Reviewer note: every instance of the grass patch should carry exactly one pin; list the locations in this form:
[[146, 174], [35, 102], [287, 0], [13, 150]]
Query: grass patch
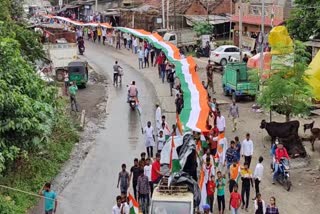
[[29, 173]]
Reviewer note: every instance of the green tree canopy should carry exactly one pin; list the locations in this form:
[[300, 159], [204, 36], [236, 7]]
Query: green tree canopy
[[27, 104], [304, 20], [286, 91], [202, 28]]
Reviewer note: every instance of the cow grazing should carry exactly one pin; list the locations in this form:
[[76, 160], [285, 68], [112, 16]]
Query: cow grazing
[[308, 126], [281, 130], [294, 146]]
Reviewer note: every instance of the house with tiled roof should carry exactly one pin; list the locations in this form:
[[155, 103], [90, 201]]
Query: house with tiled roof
[[276, 12]]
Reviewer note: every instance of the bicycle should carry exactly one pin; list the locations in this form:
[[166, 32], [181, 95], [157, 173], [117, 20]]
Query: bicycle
[[115, 79]]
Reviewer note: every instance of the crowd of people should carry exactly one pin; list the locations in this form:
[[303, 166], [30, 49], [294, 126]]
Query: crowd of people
[[226, 164], [221, 163]]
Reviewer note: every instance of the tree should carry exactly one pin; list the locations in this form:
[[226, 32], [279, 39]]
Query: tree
[[286, 91], [303, 22], [5, 10], [30, 46], [27, 104], [202, 28], [16, 9]]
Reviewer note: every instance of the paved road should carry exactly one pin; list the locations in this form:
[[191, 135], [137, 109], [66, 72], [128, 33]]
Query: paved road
[[93, 189]]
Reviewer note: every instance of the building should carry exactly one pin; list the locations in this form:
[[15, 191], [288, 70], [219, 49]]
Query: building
[[179, 11], [314, 43], [251, 19], [79, 10]]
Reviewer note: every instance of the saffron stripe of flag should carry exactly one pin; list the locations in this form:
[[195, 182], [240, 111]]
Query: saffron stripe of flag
[[134, 205]]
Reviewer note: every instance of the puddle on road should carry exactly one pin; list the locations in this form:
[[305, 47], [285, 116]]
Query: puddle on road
[[134, 129]]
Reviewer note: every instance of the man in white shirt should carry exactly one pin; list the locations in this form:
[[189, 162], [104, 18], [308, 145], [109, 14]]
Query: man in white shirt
[[158, 117], [221, 122], [140, 57], [116, 209], [125, 207], [208, 154], [147, 171], [247, 149], [257, 175], [135, 45], [208, 169], [104, 35], [150, 139]]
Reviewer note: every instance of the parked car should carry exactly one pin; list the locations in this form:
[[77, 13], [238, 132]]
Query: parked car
[[225, 53]]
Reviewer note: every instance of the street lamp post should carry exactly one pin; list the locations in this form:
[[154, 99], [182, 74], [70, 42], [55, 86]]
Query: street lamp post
[[96, 6]]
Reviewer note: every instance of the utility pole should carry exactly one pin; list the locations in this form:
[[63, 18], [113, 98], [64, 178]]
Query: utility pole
[[168, 22], [96, 6], [174, 14], [240, 27], [262, 37], [230, 20], [208, 12], [163, 16]]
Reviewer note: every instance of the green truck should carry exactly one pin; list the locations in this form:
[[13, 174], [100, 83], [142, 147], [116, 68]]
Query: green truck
[[235, 81]]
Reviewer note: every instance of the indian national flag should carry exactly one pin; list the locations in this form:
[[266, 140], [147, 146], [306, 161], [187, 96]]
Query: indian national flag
[[204, 142], [174, 159], [134, 205], [203, 189]]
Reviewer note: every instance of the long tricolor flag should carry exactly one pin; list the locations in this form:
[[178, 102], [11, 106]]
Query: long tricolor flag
[[134, 205], [179, 125], [195, 100], [174, 159]]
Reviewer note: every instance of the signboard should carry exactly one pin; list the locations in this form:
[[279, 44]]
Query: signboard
[[248, 43], [159, 20], [60, 2]]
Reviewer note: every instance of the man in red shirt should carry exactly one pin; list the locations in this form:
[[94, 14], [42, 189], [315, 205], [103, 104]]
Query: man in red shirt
[[155, 170], [280, 153], [235, 200], [211, 186], [214, 132], [159, 60]]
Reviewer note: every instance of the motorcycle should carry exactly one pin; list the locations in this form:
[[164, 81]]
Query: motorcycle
[[81, 50], [283, 176], [132, 103], [81, 45], [202, 52]]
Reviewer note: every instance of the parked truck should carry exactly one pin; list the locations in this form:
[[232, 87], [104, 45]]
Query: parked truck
[[171, 199], [61, 55], [235, 81], [184, 38]]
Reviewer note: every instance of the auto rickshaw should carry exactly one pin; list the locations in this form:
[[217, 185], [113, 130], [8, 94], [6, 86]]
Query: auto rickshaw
[[78, 72]]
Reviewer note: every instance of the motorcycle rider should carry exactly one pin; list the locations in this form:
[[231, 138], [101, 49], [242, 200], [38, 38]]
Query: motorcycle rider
[[132, 91], [80, 44], [281, 153]]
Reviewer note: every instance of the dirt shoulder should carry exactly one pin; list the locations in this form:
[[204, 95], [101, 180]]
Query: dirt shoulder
[[93, 99]]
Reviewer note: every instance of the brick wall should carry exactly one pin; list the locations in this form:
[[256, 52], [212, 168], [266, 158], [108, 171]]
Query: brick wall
[[196, 8], [224, 6]]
